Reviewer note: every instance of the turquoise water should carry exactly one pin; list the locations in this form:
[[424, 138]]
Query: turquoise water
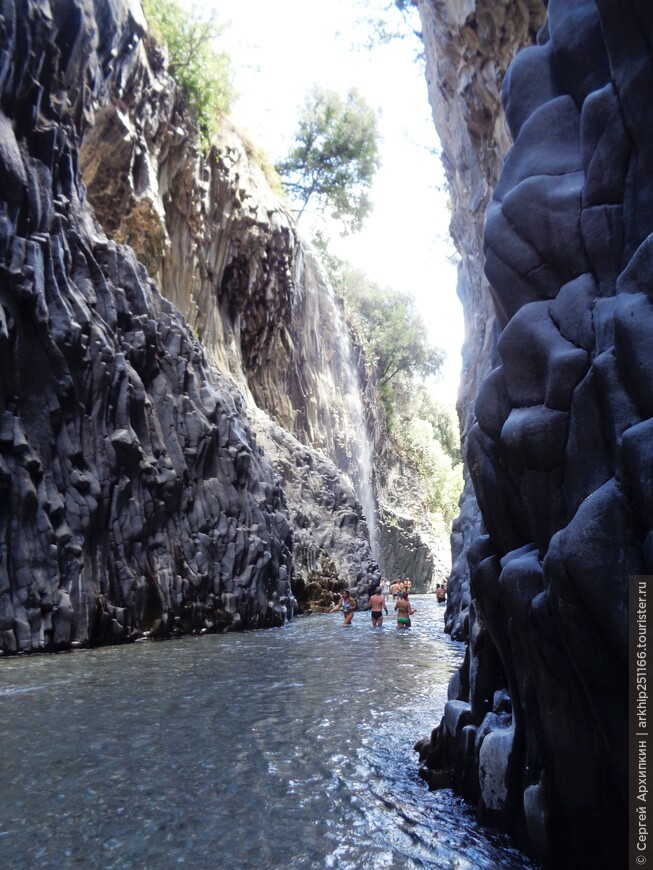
[[289, 747]]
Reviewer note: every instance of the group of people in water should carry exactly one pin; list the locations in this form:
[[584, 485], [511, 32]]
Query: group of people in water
[[377, 603]]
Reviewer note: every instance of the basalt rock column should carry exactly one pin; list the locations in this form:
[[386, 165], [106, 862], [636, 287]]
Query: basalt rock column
[[561, 455], [468, 47], [134, 498], [225, 250]]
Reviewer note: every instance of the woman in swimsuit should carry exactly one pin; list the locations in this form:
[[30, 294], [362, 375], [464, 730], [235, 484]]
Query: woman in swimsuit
[[404, 611], [347, 605]]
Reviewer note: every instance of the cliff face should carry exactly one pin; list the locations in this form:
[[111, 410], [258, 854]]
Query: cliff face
[[226, 252], [409, 546], [137, 498], [197, 457], [468, 47], [535, 729], [134, 497]]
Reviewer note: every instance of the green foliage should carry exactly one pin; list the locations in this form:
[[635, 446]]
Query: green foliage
[[443, 420], [394, 329], [334, 157], [336, 268], [203, 72], [443, 477], [260, 156], [399, 20], [428, 437]]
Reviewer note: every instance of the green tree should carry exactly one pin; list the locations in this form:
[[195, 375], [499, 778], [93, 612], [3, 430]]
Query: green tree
[[394, 328], [203, 72], [393, 334], [399, 20], [441, 417], [443, 476], [334, 157]]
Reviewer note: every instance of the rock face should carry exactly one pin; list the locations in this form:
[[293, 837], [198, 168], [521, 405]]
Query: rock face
[[560, 457], [152, 483], [227, 254], [135, 499], [409, 547], [330, 543], [468, 46]]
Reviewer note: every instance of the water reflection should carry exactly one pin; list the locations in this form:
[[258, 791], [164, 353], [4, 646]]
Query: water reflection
[[282, 748]]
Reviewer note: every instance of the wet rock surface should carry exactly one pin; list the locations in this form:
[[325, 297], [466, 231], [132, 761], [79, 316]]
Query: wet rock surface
[[410, 552], [330, 536], [468, 47], [226, 252], [135, 500], [560, 455], [138, 500]]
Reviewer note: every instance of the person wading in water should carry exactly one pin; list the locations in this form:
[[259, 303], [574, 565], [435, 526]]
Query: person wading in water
[[377, 604], [404, 611], [347, 604]]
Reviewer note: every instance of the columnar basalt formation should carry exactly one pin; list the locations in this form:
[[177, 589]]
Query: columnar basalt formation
[[135, 499], [229, 256], [225, 250], [535, 728], [410, 547], [468, 46], [185, 523]]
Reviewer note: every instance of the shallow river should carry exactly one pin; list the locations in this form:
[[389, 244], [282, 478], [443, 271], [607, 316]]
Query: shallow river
[[286, 748]]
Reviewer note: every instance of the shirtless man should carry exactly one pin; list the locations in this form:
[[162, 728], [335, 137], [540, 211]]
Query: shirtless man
[[395, 589], [377, 603], [404, 611]]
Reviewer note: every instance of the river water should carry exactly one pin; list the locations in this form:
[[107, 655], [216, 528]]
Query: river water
[[284, 748]]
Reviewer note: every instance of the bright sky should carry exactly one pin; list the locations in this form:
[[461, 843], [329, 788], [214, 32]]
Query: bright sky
[[279, 50]]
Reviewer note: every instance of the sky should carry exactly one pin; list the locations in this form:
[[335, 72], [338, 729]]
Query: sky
[[279, 50]]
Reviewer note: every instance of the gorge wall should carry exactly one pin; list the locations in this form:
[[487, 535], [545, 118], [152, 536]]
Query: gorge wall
[[468, 47], [135, 499], [560, 456], [144, 491], [187, 423], [224, 249]]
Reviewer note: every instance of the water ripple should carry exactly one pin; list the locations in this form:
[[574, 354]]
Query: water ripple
[[281, 748]]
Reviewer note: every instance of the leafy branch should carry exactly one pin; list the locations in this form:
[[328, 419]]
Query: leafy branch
[[199, 68]]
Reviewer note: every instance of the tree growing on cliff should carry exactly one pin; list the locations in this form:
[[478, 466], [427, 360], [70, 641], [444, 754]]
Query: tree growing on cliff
[[394, 328], [334, 157], [392, 332], [203, 72], [399, 20]]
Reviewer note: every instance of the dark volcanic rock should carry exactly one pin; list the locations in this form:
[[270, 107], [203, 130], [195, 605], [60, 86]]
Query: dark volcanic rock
[[561, 461], [225, 250], [135, 499], [138, 497], [468, 47]]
